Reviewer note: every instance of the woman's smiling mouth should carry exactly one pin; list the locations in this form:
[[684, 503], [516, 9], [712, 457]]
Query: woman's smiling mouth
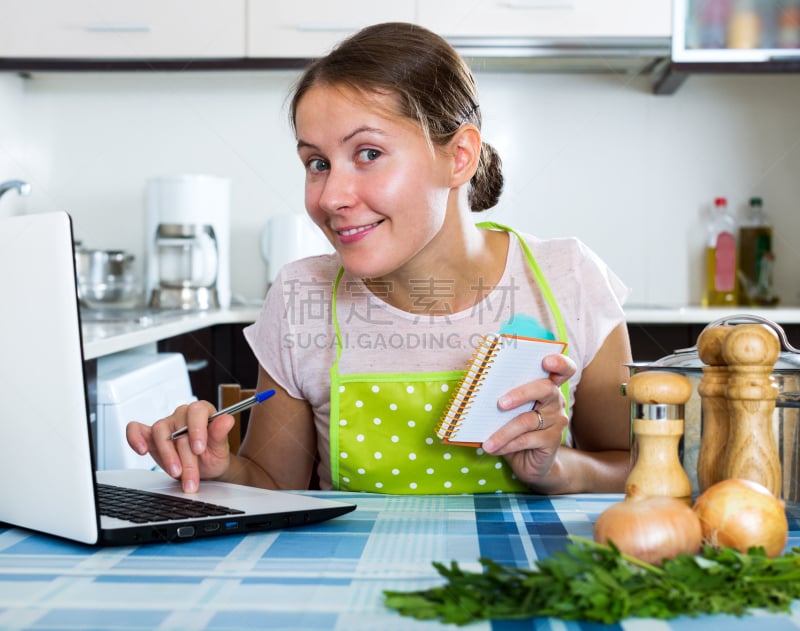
[[349, 233]]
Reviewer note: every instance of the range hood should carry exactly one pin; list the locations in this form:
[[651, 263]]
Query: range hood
[[593, 54]]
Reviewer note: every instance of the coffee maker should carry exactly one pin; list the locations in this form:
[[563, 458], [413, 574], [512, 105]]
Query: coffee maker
[[187, 242]]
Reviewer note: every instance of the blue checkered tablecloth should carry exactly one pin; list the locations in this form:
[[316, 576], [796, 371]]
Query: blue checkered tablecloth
[[325, 576]]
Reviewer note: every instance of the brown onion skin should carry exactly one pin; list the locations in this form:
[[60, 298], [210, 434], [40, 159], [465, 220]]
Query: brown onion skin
[[650, 528], [742, 514]]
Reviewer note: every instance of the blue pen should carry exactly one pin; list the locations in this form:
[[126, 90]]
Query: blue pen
[[243, 405]]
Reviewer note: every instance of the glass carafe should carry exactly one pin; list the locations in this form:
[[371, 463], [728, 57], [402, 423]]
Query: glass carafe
[[187, 255]]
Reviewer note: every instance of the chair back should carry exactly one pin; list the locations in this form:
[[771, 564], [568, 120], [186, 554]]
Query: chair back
[[229, 394]]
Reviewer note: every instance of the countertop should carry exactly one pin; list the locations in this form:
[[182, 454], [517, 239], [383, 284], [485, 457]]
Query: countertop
[[323, 576], [115, 335], [650, 314]]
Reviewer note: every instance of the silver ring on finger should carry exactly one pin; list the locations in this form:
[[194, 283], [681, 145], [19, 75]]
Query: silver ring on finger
[[541, 420]]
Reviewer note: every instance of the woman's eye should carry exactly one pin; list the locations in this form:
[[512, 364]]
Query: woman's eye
[[368, 155], [316, 165]]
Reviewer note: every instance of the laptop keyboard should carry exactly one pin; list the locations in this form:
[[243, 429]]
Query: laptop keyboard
[[143, 506]]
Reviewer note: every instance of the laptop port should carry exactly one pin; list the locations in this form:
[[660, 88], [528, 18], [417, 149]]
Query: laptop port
[[210, 527], [186, 531]]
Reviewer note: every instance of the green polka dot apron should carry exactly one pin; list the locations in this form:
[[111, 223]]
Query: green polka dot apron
[[383, 425]]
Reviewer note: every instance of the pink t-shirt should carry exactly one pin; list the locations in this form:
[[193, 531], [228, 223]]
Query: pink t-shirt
[[294, 338]]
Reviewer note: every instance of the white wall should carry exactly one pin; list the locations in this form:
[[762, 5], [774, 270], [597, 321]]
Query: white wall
[[14, 150], [634, 174], [596, 156]]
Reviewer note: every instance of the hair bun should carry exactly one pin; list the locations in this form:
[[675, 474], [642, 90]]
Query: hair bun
[[487, 183]]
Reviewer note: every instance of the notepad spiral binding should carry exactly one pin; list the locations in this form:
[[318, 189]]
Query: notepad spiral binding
[[468, 385]]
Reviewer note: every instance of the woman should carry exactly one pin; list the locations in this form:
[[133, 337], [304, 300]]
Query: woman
[[361, 346]]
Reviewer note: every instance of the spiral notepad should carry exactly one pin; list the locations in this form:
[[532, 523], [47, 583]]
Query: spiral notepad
[[501, 362]]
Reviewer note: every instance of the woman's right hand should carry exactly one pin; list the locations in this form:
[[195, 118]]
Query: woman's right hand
[[203, 452]]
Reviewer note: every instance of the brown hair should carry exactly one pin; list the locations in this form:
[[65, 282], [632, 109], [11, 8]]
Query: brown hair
[[433, 85]]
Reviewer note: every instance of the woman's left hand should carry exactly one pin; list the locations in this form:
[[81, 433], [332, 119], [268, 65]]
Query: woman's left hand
[[531, 440]]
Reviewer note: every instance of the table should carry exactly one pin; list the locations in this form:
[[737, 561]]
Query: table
[[326, 576]]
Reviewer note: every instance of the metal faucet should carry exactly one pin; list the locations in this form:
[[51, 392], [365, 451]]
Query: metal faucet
[[23, 188]]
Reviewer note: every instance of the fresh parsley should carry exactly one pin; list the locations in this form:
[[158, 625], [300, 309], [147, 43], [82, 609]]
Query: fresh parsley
[[593, 582]]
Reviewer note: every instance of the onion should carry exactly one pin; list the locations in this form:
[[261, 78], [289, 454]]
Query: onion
[[650, 528], [742, 514]]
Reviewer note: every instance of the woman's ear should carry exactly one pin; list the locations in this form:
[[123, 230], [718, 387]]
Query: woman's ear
[[466, 151]]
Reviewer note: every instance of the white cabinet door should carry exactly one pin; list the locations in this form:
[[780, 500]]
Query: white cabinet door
[[309, 28], [122, 29], [547, 18]]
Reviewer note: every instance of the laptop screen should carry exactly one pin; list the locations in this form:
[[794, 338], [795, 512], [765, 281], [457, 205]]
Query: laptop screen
[[45, 453]]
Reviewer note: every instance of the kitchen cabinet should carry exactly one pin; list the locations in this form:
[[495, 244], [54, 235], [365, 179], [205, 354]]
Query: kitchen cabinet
[[263, 34], [739, 36], [214, 355], [121, 29], [457, 19], [736, 32], [652, 341], [311, 28]]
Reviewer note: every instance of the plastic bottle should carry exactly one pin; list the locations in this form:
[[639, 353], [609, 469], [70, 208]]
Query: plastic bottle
[[788, 35], [744, 28], [756, 258], [713, 19], [720, 289]]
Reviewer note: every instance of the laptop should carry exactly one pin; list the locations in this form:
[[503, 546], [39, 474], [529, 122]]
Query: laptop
[[47, 460]]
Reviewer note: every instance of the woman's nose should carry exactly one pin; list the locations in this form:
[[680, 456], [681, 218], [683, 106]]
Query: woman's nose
[[338, 191]]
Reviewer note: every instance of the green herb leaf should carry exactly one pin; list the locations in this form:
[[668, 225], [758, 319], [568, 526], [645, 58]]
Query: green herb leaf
[[593, 582]]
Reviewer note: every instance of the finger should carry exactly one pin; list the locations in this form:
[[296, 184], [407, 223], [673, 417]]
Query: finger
[[560, 367], [190, 467], [541, 393], [163, 448], [544, 391], [218, 434], [197, 414], [526, 431], [138, 437]]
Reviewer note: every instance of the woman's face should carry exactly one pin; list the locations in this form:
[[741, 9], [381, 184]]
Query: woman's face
[[373, 184]]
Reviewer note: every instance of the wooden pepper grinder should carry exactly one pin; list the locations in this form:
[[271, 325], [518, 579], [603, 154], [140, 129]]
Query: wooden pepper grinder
[[751, 350], [657, 408], [712, 387]]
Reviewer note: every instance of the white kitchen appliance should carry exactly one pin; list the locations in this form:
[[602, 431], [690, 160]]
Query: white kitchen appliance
[[187, 242], [135, 386], [288, 237]]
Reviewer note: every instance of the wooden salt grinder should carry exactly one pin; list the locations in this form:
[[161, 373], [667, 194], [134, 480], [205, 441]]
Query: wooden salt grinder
[[751, 350], [657, 408], [712, 386]]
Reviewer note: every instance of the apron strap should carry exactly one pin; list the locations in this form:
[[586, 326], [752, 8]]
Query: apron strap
[[335, 383], [561, 329], [335, 318]]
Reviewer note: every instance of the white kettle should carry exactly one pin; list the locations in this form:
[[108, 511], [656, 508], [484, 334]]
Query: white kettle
[[288, 237]]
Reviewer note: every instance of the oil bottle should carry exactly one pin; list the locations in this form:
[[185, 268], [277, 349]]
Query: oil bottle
[[745, 25], [756, 258], [720, 286]]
